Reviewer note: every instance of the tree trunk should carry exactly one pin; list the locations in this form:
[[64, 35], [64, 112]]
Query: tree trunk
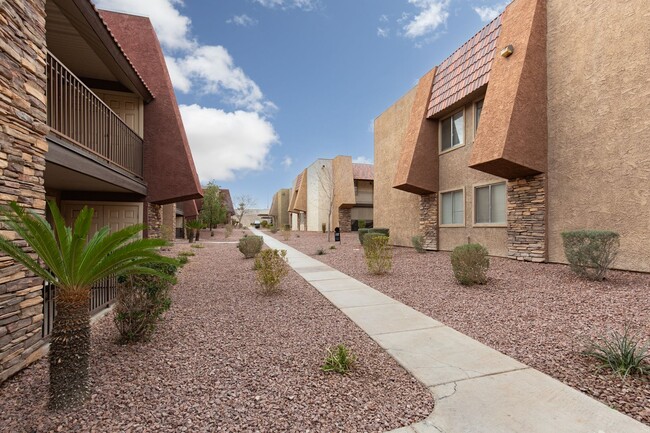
[[70, 350], [190, 235], [198, 232]]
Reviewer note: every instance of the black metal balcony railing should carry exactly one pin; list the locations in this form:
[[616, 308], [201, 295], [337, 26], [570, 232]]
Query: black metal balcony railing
[[102, 295], [81, 117]]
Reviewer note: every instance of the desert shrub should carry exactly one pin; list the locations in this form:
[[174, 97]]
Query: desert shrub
[[272, 267], [186, 253], [332, 247], [624, 353], [362, 233], [470, 263], [361, 224], [274, 230], [418, 243], [323, 227], [264, 224], [590, 252], [197, 246], [320, 251], [339, 359], [379, 256], [141, 300], [250, 246], [228, 229], [286, 233], [182, 260], [383, 231]]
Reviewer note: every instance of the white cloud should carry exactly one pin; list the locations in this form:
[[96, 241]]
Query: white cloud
[[488, 13], [287, 161], [223, 143], [306, 5], [362, 160], [172, 28], [383, 18], [383, 32], [242, 20], [433, 14]]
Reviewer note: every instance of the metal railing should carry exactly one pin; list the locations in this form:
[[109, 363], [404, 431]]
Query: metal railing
[[79, 116], [102, 295]]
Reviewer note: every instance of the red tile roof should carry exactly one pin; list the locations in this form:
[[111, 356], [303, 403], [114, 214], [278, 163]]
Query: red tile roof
[[467, 69], [363, 171]]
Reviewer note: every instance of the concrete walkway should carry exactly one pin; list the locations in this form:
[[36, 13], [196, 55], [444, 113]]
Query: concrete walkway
[[476, 389]]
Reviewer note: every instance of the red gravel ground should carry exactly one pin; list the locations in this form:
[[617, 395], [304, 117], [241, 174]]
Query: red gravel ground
[[228, 359], [540, 314]]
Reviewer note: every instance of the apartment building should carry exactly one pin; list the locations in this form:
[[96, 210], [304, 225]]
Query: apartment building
[[88, 117], [536, 125], [279, 210]]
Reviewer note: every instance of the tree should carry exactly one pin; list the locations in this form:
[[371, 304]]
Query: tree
[[326, 181], [245, 202], [74, 264], [213, 211]]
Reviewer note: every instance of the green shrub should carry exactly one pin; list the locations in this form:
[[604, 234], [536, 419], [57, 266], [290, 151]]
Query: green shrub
[[182, 260], [362, 233], [250, 246], [361, 224], [623, 352], [264, 224], [339, 360], [383, 231], [590, 252], [141, 300], [286, 233], [186, 253], [418, 243], [470, 263], [379, 255], [272, 267]]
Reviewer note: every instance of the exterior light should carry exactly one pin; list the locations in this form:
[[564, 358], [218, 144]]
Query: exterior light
[[507, 51]]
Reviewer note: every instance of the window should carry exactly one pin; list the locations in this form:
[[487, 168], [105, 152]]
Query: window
[[477, 114], [490, 204], [453, 207], [452, 131]]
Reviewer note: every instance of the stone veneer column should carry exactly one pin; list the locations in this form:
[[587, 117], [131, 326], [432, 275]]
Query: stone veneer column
[[527, 218], [345, 219], [429, 221], [22, 164], [169, 221], [154, 220]]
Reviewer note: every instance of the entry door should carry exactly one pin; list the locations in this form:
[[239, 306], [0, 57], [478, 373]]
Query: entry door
[[117, 217], [128, 108], [71, 211]]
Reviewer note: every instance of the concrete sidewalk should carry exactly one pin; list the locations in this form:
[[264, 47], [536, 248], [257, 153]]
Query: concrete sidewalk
[[476, 388]]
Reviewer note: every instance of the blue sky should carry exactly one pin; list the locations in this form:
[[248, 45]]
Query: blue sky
[[267, 86]]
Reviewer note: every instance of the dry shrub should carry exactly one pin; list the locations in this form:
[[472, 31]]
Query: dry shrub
[[228, 228], [470, 263], [271, 266], [250, 246], [286, 233], [418, 243], [591, 252], [379, 255]]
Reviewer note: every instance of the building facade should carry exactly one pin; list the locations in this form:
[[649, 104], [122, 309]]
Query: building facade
[[88, 117], [279, 210], [529, 129]]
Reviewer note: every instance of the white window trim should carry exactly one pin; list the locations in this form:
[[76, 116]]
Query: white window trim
[[440, 193], [458, 146], [483, 184]]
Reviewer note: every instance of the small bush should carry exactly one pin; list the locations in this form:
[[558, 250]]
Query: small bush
[[323, 227], [228, 229], [339, 360], [272, 267], [379, 256], [362, 233], [286, 233], [590, 252], [332, 247], [418, 243], [141, 300], [320, 251], [383, 231], [264, 224], [274, 230], [470, 263], [197, 246], [182, 260], [361, 224], [623, 352], [186, 253], [250, 246]]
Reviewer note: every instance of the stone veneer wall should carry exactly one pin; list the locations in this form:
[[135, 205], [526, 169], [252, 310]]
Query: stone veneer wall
[[527, 218], [169, 221], [154, 220], [429, 221], [22, 165], [345, 219]]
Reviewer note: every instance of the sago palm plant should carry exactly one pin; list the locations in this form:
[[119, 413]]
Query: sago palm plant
[[74, 263]]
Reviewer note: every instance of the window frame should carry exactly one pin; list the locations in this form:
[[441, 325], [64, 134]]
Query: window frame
[[450, 116], [475, 203], [440, 194], [476, 119]]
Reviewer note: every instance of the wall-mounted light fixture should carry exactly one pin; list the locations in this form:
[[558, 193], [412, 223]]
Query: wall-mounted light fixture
[[507, 51]]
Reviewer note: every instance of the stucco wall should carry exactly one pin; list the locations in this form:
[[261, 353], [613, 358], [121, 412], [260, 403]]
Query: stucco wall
[[599, 124], [343, 186], [395, 209], [318, 199], [455, 174]]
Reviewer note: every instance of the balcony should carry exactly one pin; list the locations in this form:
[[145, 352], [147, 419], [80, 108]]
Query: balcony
[[78, 116]]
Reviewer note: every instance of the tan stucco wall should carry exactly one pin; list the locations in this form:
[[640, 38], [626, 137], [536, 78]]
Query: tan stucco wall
[[395, 209], [455, 174], [343, 186], [599, 123]]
